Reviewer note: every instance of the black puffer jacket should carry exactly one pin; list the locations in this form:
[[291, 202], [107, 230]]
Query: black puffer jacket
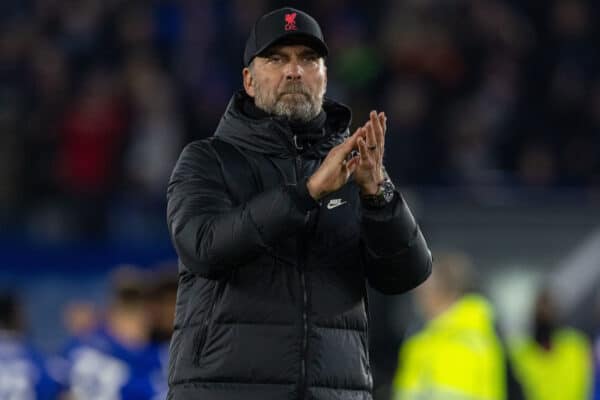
[[272, 285]]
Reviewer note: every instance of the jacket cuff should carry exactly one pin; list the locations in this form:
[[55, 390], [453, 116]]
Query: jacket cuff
[[389, 229], [303, 198], [381, 208]]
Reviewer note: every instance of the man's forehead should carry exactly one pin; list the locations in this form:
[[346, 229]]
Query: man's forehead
[[287, 49]]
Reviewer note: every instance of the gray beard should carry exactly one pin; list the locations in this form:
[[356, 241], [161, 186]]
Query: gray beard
[[295, 102]]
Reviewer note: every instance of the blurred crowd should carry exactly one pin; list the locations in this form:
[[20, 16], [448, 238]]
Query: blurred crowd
[[462, 351], [117, 350], [97, 97], [456, 348]]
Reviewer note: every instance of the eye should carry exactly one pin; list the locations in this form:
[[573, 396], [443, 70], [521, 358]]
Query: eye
[[274, 59], [310, 58]]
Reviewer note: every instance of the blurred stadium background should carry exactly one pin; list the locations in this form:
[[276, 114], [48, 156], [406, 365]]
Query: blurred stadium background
[[494, 137]]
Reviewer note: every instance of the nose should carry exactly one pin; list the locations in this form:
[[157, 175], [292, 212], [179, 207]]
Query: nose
[[293, 71]]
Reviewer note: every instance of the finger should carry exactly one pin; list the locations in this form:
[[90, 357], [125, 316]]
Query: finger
[[372, 140], [365, 158], [341, 152], [383, 121], [372, 143], [366, 125], [352, 165], [377, 128], [377, 133], [350, 142], [357, 133]]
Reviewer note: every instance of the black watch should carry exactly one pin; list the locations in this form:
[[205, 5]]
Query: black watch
[[383, 197]]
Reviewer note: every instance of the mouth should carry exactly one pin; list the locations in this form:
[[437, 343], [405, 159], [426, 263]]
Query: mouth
[[295, 88], [293, 94]]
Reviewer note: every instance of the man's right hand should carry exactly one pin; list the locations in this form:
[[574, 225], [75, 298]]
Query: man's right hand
[[336, 168]]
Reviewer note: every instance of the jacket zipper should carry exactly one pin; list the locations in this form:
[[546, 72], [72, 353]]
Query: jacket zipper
[[304, 333], [302, 271], [200, 339]]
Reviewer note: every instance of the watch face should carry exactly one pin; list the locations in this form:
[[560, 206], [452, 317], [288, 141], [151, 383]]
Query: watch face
[[388, 191]]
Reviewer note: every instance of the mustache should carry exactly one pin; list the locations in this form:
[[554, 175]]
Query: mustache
[[294, 88]]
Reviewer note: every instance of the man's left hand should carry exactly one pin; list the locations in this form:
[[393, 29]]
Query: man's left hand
[[369, 162]]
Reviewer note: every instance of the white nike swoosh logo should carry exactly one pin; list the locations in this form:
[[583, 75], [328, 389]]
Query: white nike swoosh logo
[[335, 203]]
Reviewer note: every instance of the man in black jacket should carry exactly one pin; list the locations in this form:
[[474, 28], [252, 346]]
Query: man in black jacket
[[280, 220]]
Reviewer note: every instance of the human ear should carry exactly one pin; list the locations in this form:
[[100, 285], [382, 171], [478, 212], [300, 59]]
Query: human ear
[[248, 80]]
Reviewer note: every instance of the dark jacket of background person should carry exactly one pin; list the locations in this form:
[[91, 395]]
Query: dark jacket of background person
[[272, 285]]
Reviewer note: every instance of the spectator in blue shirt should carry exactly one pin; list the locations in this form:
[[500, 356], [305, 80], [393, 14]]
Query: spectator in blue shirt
[[23, 372], [117, 360]]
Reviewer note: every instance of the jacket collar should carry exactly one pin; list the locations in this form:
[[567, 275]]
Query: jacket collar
[[273, 135]]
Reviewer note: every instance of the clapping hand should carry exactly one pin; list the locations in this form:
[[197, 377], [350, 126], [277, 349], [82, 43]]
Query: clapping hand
[[360, 155]]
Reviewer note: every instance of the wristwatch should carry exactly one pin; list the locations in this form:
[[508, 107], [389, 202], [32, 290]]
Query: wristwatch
[[384, 195]]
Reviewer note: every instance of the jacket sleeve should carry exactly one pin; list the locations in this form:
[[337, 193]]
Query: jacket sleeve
[[396, 255], [209, 232]]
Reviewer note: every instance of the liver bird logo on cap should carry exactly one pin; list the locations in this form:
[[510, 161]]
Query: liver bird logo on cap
[[290, 22]]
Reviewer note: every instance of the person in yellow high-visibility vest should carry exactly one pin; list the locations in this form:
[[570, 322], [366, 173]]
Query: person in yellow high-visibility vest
[[555, 363], [458, 354]]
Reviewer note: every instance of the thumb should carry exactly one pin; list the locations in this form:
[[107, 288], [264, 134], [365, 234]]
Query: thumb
[[341, 151], [350, 143], [351, 166]]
